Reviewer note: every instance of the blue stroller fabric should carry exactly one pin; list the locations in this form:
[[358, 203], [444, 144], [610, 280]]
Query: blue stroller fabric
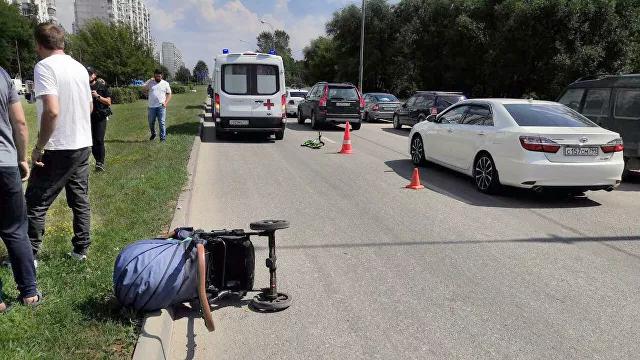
[[154, 274]]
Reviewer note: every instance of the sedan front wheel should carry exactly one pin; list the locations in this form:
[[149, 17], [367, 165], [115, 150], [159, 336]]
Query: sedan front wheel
[[417, 151]]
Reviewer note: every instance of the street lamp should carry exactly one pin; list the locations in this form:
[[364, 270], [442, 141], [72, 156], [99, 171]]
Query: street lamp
[[362, 46], [273, 32]]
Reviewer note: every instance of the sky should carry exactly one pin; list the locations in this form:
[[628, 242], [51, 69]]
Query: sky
[[202, 28]]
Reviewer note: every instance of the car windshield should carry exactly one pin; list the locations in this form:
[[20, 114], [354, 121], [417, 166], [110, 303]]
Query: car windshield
[[297, 94], [385, 98], [448, 100], [554, 115], [343, 93]]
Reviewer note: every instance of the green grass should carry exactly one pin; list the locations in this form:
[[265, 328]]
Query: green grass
[[134, 199]]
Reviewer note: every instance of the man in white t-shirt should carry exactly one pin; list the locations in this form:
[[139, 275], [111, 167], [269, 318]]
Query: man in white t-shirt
[[159, 93], [61, 154]]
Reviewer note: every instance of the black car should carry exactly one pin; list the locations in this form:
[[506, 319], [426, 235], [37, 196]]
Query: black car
[[332, 103], [422, 104], [613, 102]]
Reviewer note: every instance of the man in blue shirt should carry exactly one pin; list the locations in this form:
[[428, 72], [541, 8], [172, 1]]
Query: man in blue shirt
[[14, 169]]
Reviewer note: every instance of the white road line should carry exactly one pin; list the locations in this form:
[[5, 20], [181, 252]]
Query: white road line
[[329, 140]]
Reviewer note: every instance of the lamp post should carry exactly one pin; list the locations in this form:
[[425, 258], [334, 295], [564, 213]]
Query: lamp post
[[362, 47], [273, 32]]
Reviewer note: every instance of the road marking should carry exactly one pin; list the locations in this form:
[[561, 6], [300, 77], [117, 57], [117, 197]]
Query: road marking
[[329, 140]]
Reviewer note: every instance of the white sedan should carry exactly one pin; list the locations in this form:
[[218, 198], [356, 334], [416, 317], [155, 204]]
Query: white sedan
[[521, 143]]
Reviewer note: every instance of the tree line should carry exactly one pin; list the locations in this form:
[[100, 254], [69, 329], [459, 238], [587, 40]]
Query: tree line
[[508, 48]]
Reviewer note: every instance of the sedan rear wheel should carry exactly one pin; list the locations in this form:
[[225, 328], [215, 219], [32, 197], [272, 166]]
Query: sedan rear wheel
[[417, 150], [485, 174], [301, 118]]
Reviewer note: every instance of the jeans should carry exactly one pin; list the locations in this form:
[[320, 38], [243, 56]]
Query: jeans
[[160, 113], [13, 231], [68, 169], [98, 130]]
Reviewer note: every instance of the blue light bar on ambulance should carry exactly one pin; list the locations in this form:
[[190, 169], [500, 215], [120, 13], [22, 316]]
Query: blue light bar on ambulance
[[272, 52], [225, 51]]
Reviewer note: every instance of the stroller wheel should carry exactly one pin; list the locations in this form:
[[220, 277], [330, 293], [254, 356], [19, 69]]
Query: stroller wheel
[[269, 225], [261, 303]]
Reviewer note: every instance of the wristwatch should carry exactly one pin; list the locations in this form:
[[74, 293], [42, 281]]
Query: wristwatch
[[41, 151]]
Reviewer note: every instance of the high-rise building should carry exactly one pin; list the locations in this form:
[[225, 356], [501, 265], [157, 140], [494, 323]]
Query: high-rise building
[[131, 12], [39, 10], [171, 57]]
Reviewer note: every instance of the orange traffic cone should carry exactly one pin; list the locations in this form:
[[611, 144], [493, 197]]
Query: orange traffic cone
[[346, 142], [415, 181]]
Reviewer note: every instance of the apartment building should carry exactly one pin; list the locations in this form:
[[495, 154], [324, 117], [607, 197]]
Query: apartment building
[[39, 10], [131, 12], [171, 57]]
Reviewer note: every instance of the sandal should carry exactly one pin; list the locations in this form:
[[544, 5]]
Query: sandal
[[35, 303]]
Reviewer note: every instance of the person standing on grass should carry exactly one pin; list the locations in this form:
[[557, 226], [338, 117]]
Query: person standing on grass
[[159, 93], [101, 110], [61, 154], [14, 137]]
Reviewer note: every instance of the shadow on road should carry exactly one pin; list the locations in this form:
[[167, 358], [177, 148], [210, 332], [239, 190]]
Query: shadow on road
[[294, 126], [460, 187], [247, 138], [400, 132]]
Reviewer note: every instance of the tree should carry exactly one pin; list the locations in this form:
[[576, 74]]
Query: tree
[[165, 71], [116, 51], [279, 41], [16, 30], [320, 61], [183, 75], [201, 72]]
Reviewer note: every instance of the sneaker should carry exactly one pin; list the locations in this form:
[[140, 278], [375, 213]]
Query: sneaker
[[79, 257], [7, 263], [100, 167], [153, 136]]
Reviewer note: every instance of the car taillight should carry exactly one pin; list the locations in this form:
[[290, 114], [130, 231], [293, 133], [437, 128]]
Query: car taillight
[[613, 146], [361, 99], [375, 107], [283, 101], [325, 96], [434, 111], [539, 144], [217, 103]]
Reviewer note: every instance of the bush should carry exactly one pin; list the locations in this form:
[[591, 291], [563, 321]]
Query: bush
[[178, 89], [124, 95]]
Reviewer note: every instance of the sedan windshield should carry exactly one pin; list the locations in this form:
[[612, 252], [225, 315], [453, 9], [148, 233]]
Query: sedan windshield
[[554, 115], [385, 98]]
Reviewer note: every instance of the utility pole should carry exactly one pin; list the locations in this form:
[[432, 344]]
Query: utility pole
[[273, 33], [362, 46], [18, 56]]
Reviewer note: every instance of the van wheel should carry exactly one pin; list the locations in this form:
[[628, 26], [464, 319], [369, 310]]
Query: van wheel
[[314, 122], [279, 135], [301, 118]]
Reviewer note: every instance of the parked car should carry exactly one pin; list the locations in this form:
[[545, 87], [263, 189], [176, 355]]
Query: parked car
[[422, 104], [294, 97], [19, 86], [332, 103], [521, 143], [249, 94], [612, 102], [379, 106]]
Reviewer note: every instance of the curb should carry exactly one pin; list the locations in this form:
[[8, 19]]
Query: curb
[[156, 334]]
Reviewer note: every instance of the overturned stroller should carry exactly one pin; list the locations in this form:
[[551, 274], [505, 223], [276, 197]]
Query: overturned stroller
[[194, 264]]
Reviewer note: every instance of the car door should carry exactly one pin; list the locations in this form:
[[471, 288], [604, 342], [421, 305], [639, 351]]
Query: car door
[[471, 135], [236, 99], [404, 110], [268, 97], [626, 114], [417, 107], [596, 107], [440, 142]]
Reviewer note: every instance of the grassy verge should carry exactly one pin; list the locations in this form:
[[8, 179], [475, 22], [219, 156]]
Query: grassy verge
[[134, 199]]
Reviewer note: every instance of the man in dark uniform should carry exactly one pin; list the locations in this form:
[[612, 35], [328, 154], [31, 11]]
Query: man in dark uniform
[[99, 116]]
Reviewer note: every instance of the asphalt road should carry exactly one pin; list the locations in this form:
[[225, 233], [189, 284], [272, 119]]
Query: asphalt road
[[380, 272]]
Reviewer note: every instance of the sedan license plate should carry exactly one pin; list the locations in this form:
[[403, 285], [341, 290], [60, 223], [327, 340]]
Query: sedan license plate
[[581, 151], [343, 104], [238, 122]]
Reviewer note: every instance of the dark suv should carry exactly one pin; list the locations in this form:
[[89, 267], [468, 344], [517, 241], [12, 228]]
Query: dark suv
[[613, 102], [332, 103], [423, 104]]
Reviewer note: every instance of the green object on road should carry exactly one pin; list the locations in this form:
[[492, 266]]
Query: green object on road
[[314, 144]]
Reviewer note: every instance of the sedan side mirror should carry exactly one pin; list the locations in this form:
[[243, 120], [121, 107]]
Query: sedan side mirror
[[431, 118]]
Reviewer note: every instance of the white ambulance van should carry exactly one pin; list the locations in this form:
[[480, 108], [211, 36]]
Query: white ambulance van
[[249, 94]]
